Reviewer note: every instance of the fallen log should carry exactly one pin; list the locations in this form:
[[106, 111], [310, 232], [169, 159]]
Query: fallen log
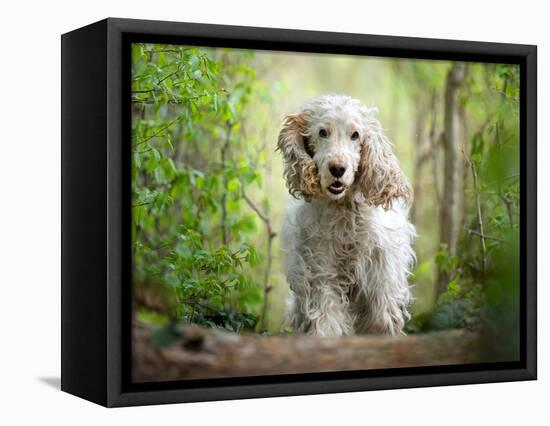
[[200, 353]]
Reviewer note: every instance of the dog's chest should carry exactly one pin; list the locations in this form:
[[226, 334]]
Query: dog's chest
[[338, 242]]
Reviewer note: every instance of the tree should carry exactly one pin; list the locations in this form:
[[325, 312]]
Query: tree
[[450, 211]]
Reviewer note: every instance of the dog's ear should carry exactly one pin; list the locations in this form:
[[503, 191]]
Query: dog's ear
[[380, 177], [300, 171]]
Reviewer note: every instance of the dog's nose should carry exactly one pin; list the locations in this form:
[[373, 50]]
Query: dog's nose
[[337, 170]]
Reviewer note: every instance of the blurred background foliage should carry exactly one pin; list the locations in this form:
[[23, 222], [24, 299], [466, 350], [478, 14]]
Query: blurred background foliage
[[208, 194]]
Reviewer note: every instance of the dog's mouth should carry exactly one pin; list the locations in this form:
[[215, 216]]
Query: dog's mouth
[[336, 188]]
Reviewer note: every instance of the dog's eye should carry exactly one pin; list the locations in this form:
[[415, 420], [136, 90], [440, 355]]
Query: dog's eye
[[308, 148], [354, 136], [323, 133]]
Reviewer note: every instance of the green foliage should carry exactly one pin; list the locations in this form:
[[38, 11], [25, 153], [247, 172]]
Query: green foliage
[[478, 294], [190, 166], [447, 262], [502, 331], [458, 307], [207, 278], [494, 158]]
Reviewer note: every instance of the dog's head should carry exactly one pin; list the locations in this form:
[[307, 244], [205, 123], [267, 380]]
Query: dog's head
[[333, 146]]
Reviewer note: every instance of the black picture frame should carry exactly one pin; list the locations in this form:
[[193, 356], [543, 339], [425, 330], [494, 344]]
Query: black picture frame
[[96, 290]]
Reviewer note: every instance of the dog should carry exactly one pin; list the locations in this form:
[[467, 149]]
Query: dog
[[346, 235]]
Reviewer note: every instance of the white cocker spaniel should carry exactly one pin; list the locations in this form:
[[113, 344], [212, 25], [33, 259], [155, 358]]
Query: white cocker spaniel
[[346, 235]]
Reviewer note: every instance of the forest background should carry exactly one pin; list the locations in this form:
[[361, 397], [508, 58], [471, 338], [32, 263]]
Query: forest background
[[208, 194]]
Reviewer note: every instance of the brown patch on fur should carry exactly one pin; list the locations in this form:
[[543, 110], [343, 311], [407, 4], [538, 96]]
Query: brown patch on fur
[[300, 171], [381, 178]]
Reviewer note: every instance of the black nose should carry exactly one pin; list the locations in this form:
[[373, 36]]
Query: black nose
[[337, 170]]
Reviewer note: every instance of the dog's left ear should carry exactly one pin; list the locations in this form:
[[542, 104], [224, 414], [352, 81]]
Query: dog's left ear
[[380, 177]]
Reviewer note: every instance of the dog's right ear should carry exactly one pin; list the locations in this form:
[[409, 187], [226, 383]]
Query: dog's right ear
[[300, 171]]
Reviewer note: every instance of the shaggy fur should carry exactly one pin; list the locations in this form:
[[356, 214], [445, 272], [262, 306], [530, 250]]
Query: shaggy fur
[[346, 234]]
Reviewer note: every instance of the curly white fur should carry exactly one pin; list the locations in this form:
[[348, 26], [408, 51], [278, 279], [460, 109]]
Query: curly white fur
[[347, 237]]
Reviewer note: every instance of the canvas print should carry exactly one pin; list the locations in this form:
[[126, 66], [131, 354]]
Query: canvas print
[[307, 212]]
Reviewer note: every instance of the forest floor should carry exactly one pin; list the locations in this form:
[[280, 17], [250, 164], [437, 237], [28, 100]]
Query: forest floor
[[198, 353]]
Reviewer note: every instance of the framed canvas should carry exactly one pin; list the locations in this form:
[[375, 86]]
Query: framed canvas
[[255, 212]]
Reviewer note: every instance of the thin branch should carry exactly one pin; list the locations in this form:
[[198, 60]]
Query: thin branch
[[486, 237], [481, 232], [225, 147], [479, 220], [154, 102], [142, 204], [150, 52], [509, 209], [167, 76], [175, 101], [176, 84], [270, 237], [160, 131], [142, 152], [253, 206], [514, 176]]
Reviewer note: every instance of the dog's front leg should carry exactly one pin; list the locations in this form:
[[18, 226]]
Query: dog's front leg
[[384, 311], [325, 312], [386, 316]]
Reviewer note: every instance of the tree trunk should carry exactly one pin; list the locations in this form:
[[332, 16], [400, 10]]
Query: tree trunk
[[199, 353], [464, 138], [452, 181], [423, 153]]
